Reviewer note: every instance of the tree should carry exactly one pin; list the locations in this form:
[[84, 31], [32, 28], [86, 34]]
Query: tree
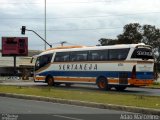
[[151, 36], [131, 34], [105, 41]]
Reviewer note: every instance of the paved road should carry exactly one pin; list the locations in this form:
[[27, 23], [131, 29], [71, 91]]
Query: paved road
[[133, 90], [43, 110]]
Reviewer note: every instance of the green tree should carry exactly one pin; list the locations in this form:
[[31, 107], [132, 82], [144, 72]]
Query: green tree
[[105, 41], [131, 34], [151, 36]]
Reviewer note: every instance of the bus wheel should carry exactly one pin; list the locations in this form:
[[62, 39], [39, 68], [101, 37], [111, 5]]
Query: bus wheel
[[50, 81], [120, 88], [102, 83]]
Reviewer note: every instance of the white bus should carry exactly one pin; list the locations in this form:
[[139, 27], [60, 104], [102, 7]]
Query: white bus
[[117, 66]]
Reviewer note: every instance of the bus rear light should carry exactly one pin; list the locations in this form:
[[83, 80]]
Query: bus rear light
[[133, 75]]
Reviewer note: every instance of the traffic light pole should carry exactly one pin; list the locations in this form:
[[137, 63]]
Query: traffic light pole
[[23, 29], [40, 37]]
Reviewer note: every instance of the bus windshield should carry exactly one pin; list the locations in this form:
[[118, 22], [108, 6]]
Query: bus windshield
[[43, 60], [143, 53]]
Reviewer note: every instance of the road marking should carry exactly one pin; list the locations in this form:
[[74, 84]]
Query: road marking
[[71, 118]]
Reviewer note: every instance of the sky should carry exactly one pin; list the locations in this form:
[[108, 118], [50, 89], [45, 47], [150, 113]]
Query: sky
[[77, 22]]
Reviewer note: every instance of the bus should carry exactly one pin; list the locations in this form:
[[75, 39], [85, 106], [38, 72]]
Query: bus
[[116, 66]]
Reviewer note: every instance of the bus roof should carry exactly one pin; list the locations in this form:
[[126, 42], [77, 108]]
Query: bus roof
[[77, 48]]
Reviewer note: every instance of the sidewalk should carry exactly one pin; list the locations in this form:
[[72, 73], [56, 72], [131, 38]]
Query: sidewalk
[[14, 79]]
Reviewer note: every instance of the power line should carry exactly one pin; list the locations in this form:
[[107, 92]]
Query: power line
[[32, 3], [79, 29], [84, 29], [82, 17]]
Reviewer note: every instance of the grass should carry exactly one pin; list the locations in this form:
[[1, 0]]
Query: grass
[[90, 96], [155, 85]]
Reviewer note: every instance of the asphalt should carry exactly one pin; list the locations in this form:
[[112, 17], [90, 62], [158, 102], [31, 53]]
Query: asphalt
[[31, 109]]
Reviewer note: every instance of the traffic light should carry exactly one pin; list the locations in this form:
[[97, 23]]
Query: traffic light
[[23, 30]]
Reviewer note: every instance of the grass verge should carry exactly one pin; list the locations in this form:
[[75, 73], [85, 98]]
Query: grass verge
[[89, 96], [155, 85]]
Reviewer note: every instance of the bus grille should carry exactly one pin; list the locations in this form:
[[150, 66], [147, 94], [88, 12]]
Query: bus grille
[[123, 78]]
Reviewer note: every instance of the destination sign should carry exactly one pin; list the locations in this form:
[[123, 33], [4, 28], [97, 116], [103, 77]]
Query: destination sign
[[144, 53]]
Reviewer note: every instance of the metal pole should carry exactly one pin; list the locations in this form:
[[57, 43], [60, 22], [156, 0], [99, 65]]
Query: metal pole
[[45, 36], [15, 70], [40, 37]]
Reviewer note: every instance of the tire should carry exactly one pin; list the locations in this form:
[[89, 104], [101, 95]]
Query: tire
[[102, 83], [50, 81], [120, 88]]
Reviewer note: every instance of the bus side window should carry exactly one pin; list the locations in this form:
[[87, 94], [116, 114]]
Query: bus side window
[[61, 57], [98, 55], [45, 59], [79, 56], [118, 54]]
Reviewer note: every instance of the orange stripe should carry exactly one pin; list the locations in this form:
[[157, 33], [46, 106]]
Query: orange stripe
[[39, 78], [75, 79], [65, 47], [113, 81], [133, 82], [140, 82]]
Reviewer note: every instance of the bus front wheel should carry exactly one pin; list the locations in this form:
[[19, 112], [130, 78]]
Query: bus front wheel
[[50, 81], [103, 83]]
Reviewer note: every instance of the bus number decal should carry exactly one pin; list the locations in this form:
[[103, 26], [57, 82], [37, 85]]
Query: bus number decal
[[120, 64]]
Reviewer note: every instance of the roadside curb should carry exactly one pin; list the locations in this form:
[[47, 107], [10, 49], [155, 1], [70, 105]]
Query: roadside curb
[[150, 87], [83, 103]]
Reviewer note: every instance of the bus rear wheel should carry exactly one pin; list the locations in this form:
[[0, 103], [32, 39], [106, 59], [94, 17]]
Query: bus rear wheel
[[120, 88], [50, 81], [103, 83]]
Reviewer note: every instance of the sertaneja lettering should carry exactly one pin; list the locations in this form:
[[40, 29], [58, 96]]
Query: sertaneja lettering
[[81, 67], [75, 67]]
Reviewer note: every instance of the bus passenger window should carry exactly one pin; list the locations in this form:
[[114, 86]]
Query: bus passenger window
[[98, 55], [61, 57], [79, 56], [118, 54]]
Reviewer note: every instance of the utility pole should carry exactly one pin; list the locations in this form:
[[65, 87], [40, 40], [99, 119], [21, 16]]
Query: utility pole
[[45, 15]]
